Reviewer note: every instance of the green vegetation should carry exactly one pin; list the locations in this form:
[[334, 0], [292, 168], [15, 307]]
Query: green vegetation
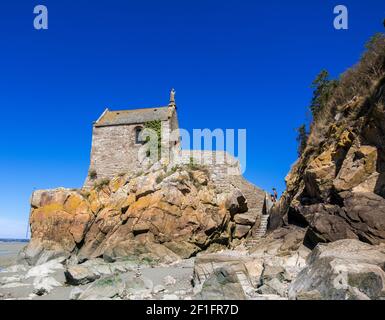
[[343, 96], [357, 81], [156, 126], [101, 184], [323, 89], [159, 178], [143, 260], [163, 176], [148, 261], [372, 42], [85, 193], [192, 164], [92, 174], [301, 139], [107, 282]]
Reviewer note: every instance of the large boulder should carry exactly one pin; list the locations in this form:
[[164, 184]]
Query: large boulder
[[359, 164], [361, 217], [345, 269], [222, 284], [92, 270], [59, 220]]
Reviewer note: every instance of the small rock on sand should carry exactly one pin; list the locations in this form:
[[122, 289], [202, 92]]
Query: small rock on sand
[[169, 280]]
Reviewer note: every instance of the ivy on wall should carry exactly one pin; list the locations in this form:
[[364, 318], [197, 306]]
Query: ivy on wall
[[156, 126]]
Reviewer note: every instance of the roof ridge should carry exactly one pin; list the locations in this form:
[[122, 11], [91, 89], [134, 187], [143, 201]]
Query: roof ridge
[[140, 109], [133, 116]]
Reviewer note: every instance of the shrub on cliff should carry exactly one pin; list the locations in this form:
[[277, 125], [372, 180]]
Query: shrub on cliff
[[323, 89], [92, 174], [101, 183], [331, 96], [301, 139]]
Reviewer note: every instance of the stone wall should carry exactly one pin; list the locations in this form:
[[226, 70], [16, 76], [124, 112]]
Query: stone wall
[[170, 137], [114, 151], [220, 163]]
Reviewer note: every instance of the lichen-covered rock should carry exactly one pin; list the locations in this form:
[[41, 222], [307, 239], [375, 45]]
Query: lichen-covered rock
[[358, 165], [158, 216], [336, 189]]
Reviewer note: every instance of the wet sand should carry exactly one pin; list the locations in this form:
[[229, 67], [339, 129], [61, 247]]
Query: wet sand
[[16, 284], [9, 252]]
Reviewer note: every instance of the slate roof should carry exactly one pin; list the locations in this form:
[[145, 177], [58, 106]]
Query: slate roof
[[136, 116]]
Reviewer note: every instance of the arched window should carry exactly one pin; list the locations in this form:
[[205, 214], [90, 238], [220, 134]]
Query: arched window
[[138, 138]]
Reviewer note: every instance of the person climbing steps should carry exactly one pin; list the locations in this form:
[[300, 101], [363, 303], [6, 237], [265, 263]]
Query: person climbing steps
[[274, 196]]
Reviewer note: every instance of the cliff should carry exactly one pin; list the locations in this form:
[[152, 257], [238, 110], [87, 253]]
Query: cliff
[[336, 189]]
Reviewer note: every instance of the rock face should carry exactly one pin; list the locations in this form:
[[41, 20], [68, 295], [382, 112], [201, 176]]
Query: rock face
[[280, 267], [263, 273], [336, 189], [162, 215], [346, 269]]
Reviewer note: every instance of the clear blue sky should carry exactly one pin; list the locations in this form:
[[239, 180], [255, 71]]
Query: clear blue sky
[[235, 64]]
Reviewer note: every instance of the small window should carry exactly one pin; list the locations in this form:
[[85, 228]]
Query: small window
[[138, 138]]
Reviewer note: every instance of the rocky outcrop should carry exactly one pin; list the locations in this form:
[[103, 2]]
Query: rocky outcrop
[[277, 267], [264, 272], [336, 189], [282, 268], [346, 269], [162, 215]]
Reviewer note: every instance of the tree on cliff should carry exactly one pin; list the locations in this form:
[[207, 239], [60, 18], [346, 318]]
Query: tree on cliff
[[323, 89], [301, 139]]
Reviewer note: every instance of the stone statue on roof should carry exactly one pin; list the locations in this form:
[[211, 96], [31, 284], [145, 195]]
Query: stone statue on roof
[[172, 96]]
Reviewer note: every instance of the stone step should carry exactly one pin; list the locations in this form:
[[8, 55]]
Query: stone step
[[261, 231], [255, 197], [250, 243]]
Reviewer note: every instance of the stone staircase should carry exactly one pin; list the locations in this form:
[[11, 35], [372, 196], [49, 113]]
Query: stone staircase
[[261, 231], [255, 201], [255, 196]]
